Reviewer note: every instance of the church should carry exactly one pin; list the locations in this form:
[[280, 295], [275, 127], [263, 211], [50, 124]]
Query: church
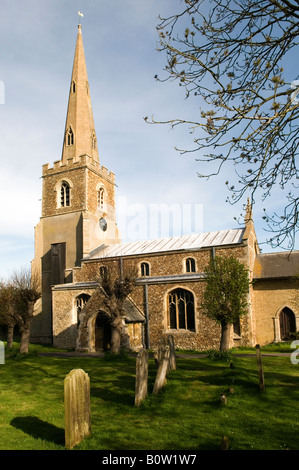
[[77, 238]]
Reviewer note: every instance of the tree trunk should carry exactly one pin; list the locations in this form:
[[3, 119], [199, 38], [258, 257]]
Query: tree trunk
[[24, 344], [10, 330], [225, 336], [116, 331]]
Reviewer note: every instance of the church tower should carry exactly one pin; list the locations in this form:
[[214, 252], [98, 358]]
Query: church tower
[[78, 201]]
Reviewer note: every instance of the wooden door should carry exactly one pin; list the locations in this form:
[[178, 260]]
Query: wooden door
[[102, 332], [287, 323]]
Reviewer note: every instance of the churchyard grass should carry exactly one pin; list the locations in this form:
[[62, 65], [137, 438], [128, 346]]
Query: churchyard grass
[[187, 414]]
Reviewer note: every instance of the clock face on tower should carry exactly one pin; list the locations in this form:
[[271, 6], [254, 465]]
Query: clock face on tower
[[103, 224]]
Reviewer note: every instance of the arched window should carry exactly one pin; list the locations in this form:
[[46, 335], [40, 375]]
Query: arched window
[[80, 304], [65, 194], [103, 271], [145, 269], [70, 137], [181, 313], [190, 265], [101, 198]]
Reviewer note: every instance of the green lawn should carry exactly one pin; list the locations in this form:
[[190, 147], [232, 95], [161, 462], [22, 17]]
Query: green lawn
[[186, 415]]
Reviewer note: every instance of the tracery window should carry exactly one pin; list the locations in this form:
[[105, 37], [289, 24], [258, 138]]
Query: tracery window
[[145, 269], [65, 194], [190, 265], [80, 304], [181, 313]]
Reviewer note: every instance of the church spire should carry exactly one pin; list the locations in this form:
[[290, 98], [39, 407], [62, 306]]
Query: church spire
[[80, 136]]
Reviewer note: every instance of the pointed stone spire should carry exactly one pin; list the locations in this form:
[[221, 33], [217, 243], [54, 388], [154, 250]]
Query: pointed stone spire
[[80, 136], [248, 216]]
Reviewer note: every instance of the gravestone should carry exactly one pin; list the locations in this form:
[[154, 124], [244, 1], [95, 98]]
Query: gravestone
[[164, 353], [172, 357], [169, 340], [76, 407], [141, 376], [2, 353]]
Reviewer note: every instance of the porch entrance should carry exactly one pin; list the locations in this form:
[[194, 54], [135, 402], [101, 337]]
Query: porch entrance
[[287, 323], [102, 332]]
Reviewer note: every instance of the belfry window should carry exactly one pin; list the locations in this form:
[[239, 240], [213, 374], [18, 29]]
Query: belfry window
[[65, 195], [181, 314], [101, 198], [145, 269], [70, 137], [93, 141], [190, 265]]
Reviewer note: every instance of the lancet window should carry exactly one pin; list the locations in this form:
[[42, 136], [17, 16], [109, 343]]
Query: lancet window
[[190, 265], [145, 269], [101, 198], [65, 194], [70, 137]]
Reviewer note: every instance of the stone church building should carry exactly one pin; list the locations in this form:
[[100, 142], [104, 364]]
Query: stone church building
[[77, 238]]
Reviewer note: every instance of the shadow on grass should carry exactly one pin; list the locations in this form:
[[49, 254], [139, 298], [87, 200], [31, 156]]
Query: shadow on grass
[[39, 429]]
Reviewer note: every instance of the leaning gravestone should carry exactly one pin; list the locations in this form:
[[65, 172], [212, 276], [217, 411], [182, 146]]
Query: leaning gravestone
[[163, 368], [141, 376], [76, 407], [172, 357], [168, 340]]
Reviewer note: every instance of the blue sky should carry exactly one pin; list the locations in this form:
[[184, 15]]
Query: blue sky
[[37, 49]]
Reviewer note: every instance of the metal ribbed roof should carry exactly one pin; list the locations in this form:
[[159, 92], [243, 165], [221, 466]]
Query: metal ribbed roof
[[184, 242]]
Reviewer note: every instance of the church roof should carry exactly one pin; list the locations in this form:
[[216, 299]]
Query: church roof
[[180, 243], [133, 313], [276, 265]]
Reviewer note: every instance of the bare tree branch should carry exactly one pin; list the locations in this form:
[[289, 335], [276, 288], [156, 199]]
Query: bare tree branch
[[233, 58]]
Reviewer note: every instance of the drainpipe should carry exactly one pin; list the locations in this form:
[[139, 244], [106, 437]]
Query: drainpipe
[[147, 339], [121, 272]]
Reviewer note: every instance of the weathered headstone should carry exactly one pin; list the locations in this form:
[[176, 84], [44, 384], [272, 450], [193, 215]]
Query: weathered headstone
[[158, 352], [76, 407], [169, 340], [164, 353], [2, 353], [141, 376], [260, 367], [172, 357]]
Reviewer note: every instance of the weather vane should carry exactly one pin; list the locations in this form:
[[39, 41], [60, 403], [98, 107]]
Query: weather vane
[[80, 14]]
